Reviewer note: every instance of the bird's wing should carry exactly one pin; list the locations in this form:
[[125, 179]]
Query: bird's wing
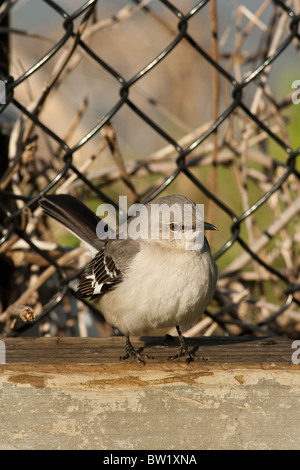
[[99, 276], [107, 268]]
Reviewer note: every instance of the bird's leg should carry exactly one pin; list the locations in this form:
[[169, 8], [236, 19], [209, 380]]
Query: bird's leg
[[183, 351], [130, 352]]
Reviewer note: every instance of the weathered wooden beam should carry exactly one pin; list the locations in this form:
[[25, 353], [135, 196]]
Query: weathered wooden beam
[[74, 393]]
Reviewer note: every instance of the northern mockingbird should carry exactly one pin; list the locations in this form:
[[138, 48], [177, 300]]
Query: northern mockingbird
[[144, 283]]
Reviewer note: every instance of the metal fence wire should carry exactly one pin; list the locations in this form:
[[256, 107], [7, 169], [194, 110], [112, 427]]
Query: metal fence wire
[[146, 98]]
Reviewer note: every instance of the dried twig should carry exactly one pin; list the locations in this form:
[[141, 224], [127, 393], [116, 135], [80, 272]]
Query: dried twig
[[287, 216]]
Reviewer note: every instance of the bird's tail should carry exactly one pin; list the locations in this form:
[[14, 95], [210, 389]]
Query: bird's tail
[[75, 216]]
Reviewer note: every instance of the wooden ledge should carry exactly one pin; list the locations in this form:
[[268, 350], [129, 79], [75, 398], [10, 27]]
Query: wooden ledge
[[213, 352], [74, 393]]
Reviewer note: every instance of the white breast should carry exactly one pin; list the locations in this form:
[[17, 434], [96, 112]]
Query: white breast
[[161, 290]]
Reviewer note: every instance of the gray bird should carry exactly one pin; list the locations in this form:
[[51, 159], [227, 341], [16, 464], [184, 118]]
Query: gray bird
[[167, 277]]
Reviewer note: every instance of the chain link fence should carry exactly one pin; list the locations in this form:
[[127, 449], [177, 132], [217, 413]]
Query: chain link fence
[[147, 98]]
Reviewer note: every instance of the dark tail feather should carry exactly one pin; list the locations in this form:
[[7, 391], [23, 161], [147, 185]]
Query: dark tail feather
[[74, 215]]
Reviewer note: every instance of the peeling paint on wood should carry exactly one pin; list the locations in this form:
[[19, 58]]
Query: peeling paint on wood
[[113, 405]]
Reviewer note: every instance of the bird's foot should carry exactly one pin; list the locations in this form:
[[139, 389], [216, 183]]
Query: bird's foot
[[183, 351], [131, 352], [189, 357]]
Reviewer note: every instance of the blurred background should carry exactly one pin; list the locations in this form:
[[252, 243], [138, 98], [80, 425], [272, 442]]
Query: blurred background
[[147, 98]]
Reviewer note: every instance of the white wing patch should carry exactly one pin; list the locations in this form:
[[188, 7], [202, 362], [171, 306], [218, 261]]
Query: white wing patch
[[99, 276]]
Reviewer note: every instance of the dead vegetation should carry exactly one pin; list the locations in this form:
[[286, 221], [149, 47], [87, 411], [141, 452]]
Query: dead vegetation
[[226, 137]]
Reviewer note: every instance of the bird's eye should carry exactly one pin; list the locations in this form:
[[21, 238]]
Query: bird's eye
[[173, 227]]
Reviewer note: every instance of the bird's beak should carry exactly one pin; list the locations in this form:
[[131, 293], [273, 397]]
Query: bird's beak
[[208, 226]]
